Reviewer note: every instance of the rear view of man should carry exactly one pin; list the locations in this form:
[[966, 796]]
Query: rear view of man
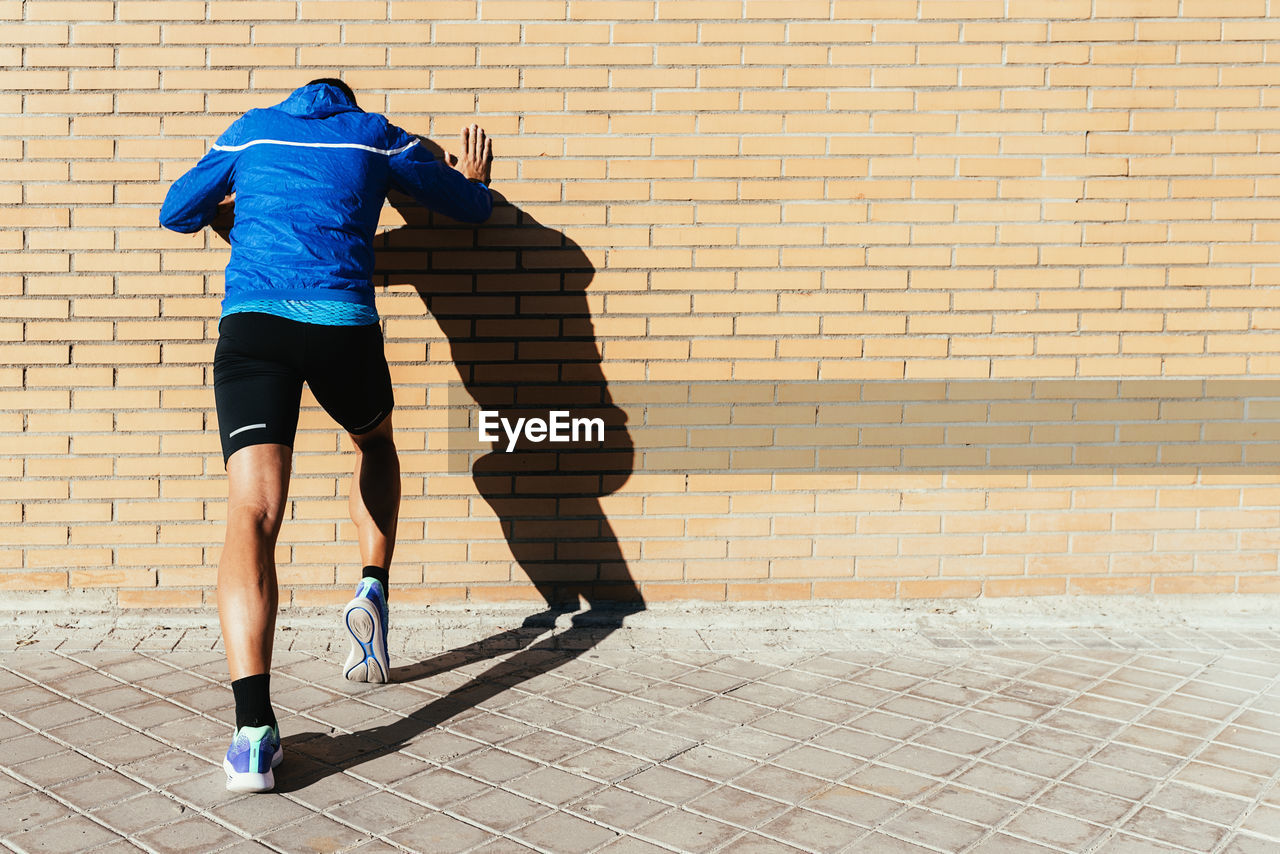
[[309, 177]]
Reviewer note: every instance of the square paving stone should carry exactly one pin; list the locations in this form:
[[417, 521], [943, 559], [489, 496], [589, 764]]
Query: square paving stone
[[632, 845], [890, 782], [617, 808], [491, 729], [379, 812], [1264, 821], [1146, 762], [30, 811], [1001, 781], [173, 682], [695, 726], [91, 730], [781, 784], [1175, 829], [1125, 843], [120, 697], [667, 784], [54, 715], [812, 831], [391, 768], [316, 833], [932, 829], [735, 806], [322, 793], [257, 815], [603, 764], [58, 767], [69, 836], [977, 807], [1086, 804], [1002, 843], [1112, 781], [503, 846], [751, 742], [128, 746], [711, 764], [440, 834], [26, 748], [193, 835], [749, 843], [561, 832], [493, 765], [1197, 803], [687, 832], [925, 760], [853, 805], [207, 789], [1029, 760], [499, 810], [441, 746], [133, 668], [1242, 843], [139, 813], [590, 727], [791, 726], [10, 788], [440, 787], [852, 742], [162, 767], [1052, 829], [552, 786], [1227, 781], [149, 716], [375, 846], [12, 729], [546, 746], [650, 744]]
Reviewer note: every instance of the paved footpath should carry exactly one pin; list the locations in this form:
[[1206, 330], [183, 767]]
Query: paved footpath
[[893, 728]]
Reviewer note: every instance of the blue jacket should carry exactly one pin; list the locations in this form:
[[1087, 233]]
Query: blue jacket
[[310, 175]]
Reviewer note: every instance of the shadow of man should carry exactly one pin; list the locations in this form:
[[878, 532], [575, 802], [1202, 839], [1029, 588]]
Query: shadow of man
[[510, 295]]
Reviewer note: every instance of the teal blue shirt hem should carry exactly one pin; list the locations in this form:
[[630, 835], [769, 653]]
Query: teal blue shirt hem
[[321, 312]]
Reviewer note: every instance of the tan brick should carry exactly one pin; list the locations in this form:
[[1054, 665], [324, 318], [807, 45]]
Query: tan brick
[[116, 79], [33, 581], [1110, 586], [666, 9]]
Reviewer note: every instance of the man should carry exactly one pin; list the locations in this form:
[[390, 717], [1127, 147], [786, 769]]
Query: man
[[309, 177]]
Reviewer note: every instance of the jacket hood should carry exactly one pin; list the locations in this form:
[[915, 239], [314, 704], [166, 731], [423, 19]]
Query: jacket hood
[[316, 101]]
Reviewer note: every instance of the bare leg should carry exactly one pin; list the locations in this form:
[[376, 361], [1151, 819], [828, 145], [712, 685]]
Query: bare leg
[[375, 494], [258, 485]]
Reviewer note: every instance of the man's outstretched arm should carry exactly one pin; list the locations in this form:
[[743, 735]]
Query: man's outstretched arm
[[455, 187]]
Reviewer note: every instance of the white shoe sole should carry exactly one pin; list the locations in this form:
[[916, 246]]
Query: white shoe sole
[[249, 783], [367, 660]]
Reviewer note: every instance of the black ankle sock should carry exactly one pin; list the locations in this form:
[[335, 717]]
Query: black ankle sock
[[377, 572], [253, 701]]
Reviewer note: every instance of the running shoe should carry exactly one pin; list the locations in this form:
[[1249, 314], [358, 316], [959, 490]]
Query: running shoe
[[254, 751], [366, 619]]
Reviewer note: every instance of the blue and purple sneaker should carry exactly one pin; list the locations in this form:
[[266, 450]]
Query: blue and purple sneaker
[[366, 619], [254, 752]]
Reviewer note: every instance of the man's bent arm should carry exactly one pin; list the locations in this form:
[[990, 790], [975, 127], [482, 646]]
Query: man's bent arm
[[192, 201]]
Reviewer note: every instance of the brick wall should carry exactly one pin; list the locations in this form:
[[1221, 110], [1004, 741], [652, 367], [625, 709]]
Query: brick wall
[[882, 298]]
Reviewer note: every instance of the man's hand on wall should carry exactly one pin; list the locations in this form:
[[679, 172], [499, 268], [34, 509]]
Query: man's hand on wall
[[477, 155]]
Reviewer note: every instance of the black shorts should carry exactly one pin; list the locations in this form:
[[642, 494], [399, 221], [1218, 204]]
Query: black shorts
[[262, 361]]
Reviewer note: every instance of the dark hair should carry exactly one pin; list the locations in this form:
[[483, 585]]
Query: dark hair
[[337, 84]]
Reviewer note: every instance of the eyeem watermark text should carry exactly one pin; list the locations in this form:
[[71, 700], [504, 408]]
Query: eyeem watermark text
[[558, 427]]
